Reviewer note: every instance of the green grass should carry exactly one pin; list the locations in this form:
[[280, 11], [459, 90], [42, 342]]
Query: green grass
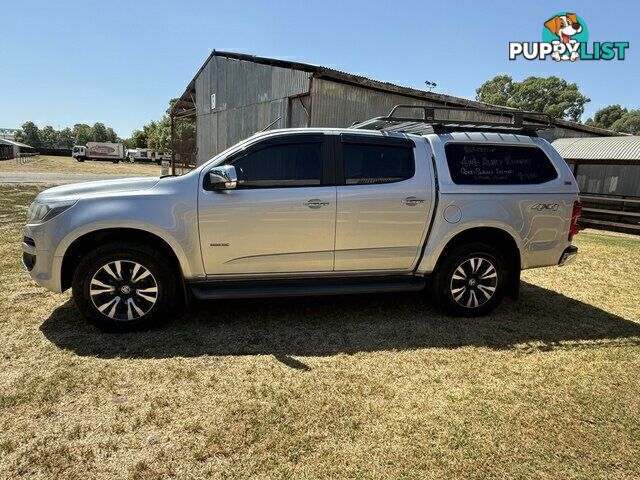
[[360, 387]]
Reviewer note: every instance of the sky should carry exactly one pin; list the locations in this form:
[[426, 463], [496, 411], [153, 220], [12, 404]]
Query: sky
[[119, 62]]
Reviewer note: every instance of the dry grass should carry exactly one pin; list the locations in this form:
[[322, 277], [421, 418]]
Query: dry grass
[[359, 387], [49, 164]]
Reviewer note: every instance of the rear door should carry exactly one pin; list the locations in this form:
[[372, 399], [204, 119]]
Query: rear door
[[384, 200]]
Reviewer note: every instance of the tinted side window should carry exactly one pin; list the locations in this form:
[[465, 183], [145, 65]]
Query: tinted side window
[[370, 164], [483, 164], [288, 165]]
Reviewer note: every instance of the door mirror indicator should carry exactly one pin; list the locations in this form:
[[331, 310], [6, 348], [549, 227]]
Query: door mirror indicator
[[223, 177]]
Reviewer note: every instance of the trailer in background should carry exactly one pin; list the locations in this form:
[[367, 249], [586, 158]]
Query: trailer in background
[[113, 152], [145, 155]]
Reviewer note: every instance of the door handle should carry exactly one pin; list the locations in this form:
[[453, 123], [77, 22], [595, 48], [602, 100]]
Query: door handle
[[316, 203], [412, 201]]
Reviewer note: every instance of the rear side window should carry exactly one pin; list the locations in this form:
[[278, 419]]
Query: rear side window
[[288, 165], [371, 164], [485, 164]]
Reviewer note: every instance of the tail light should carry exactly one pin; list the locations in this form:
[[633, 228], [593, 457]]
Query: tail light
[[575, 215]]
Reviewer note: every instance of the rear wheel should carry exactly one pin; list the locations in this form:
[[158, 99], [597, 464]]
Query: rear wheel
[[123, 286], [471, 280]]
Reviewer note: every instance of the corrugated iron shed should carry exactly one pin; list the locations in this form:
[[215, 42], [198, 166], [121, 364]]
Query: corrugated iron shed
[[187, 100], [610, 150], [14, 143], [234, 95]]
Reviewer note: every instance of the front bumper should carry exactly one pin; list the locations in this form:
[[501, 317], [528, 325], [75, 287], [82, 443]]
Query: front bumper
[[42, 266], [568, 255]]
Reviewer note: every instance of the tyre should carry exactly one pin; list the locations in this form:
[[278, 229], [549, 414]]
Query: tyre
[[80, 159], [471, 280], [116, 160], [125, 286]]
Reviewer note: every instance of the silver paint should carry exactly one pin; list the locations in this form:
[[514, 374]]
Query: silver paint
[[318, 230]]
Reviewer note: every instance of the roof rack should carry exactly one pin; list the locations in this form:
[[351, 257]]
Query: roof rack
[[508, 121]]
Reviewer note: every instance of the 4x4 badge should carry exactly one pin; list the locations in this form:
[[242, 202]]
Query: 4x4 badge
[[545, 206]]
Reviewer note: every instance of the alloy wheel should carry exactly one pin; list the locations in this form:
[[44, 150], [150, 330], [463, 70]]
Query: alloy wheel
[[123, 290], [474, 282]]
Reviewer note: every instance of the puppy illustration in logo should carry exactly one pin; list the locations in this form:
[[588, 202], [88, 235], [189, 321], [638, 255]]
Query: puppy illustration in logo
[[564, 27]]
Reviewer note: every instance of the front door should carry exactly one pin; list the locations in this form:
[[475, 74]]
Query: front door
[[280, 218]]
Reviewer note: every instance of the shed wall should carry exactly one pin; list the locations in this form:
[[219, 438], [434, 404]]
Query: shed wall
[[249, 96], [619, 180], [339, 105]]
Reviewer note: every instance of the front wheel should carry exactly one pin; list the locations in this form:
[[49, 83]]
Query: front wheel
[[123, 286], [471, 280]]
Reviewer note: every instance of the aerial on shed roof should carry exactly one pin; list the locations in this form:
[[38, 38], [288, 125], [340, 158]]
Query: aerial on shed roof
[[622, 148], [14, 143], [186, 102]]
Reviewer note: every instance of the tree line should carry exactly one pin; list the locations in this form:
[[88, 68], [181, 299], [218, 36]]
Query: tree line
[[155, 135], [558, 98], [49, 137]]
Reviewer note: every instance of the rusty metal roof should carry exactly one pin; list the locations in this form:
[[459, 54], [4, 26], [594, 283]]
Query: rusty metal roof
[[620, 149]]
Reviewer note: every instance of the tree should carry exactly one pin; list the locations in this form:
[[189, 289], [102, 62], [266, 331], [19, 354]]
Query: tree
[[617, 118], [551, 95], [99, 132], [111, 135], [49, 137], [138, 139], [30, 134], [628, 123], [496, 91], [160, 137], [66, 139], [607, 116], [81, 133]]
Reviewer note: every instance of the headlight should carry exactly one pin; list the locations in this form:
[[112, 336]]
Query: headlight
[[41, 212]]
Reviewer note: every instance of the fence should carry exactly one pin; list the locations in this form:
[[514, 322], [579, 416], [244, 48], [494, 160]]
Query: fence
[[24, 158], [611, 213], [183, 163], [55, 152], [183, 144]]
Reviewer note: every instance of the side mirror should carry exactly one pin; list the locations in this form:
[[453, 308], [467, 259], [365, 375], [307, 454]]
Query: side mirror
[[223, 177]]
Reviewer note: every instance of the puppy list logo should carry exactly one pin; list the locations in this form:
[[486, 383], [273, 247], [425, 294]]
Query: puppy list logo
[[565, 37]]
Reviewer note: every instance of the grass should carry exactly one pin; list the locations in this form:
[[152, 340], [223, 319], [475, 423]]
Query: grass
[[50, 164], [359, 387]]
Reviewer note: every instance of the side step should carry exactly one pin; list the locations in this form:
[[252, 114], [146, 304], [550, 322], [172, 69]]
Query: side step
[[304, 287]]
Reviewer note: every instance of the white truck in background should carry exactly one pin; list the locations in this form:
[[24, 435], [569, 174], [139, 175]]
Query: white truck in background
[[99, 151]]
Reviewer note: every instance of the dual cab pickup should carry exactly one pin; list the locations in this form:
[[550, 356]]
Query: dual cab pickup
[[312, 211]]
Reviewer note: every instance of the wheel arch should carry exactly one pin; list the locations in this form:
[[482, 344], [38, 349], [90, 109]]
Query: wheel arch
[[84, 243], [494, 236]]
